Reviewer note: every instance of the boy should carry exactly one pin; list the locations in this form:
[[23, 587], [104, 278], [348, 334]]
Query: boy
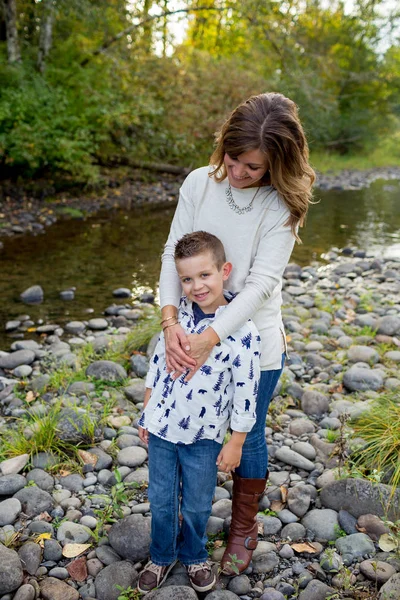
[[184, 423]]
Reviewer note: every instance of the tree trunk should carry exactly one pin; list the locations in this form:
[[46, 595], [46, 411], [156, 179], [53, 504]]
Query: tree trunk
[[46, 33], [10, 14]]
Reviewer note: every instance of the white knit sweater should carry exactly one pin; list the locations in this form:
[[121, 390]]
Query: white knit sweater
[[257, 243]]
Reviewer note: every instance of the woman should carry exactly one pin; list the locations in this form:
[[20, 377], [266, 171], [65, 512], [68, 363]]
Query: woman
[[253, 197]]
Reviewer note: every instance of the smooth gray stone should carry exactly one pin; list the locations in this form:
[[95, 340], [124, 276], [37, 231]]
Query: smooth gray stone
[[98, 324], [42, 479], [80, 388], [347, 522], [316, 590], [11, 575], [104, 461], [323, 523], [389, 325], [69, 532], [17, 358], [222, 508], [265, 563], [240, 585], [130, 537], [32, 295], [356, 545], [107, 555], [25, 592], [305, 450], [272, 525], [106, 370], [377, 570], [139, 365], [133, 456], [30, 555], [52, 550], [10, 484], [357, 379], [75, 327], [299, 499], [59, 573], [122, 293], [73, 482], [135, 390], [271, 594], [289, 457], [9, 511], [286, 516], [139, 476], [293, 531], [391, 589], [44, 460], [362, 354], [314, 403], [121, 573], [372, 498]]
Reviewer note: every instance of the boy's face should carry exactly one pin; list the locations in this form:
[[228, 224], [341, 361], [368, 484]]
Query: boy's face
[[202, 281]]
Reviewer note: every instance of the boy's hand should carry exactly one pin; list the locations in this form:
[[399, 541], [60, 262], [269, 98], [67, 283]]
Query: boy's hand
[[230, 456], [144, 435]]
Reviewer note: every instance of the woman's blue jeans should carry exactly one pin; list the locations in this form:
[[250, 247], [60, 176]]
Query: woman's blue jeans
[[182, 477], [254, 461]]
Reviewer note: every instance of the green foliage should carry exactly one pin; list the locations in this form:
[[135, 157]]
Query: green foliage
[[115, 90], [128, 593], [379, 428]]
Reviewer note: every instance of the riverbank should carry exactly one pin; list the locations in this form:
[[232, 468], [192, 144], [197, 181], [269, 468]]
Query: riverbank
[[74, 516], [26, 209]]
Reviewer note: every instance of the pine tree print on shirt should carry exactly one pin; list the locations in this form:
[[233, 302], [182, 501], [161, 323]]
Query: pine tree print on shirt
[[163, 432], [189, 396], [219, 381], [184, 423], [217, 406], [199, 435], [236, 362], [251, 371], [246, 340]]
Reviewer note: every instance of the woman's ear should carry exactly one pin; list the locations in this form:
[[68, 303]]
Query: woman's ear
[[226, 270]]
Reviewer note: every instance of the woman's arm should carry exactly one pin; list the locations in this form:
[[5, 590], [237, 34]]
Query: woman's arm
[[177, 345]]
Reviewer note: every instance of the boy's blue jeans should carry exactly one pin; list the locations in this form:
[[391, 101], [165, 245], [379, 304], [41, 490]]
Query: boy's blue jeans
[[254, 461], [182, 477]]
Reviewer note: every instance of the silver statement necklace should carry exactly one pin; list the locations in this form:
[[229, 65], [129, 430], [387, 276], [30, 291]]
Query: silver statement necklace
[[232, 204]]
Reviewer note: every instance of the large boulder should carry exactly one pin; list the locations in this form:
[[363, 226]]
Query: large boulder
[[361, 497], [121, 574]]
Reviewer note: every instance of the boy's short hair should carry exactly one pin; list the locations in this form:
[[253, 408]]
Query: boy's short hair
[[198, 242]]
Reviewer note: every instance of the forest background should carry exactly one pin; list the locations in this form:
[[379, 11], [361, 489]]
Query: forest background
[[88, 83]]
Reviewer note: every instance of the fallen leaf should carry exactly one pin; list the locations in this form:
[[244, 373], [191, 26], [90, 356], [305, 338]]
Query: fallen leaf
[[218, 543], [31, 329], [40, 539], [361, 529], [277, 505], [72, 550], [88, 458], [305, 547], [387, 543], [64, 473], [30, 396], [44, 516], [260, 528], [284, 493]]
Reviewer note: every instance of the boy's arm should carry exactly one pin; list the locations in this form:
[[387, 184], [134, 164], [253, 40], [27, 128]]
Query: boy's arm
[[245, 374]]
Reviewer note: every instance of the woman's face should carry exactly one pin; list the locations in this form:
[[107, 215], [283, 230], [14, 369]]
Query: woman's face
[[247, 169]]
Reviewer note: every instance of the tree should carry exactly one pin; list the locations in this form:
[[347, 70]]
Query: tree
[[46, 32], [10, 14]]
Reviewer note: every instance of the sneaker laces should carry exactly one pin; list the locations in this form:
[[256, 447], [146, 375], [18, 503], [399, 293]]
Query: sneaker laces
[[193, 569], [153, 568]]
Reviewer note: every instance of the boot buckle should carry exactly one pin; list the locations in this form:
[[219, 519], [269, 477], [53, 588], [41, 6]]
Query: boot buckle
[[250, 543]]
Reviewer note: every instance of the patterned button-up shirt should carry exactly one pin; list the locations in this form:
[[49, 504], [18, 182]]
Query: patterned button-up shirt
[[221, 393]]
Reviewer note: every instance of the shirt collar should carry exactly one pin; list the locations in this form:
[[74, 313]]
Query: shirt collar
[[187, 305]]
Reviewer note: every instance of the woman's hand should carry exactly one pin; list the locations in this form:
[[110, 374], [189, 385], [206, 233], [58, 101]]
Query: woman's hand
[[177, 348], [201, 345]]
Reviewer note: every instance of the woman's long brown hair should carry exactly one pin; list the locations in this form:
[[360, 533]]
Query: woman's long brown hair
[[270, 123]]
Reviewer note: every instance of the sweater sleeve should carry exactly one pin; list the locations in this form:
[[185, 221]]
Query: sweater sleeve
[[273, 253], [170, 285]]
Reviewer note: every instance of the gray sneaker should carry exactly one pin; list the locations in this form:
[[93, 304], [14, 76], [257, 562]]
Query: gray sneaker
[[152, 577]]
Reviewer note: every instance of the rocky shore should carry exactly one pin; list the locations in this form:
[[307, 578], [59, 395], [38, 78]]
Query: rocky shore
[[25, 211], [74, 515]]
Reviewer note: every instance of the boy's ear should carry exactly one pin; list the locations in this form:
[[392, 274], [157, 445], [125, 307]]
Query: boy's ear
[[226, 270]]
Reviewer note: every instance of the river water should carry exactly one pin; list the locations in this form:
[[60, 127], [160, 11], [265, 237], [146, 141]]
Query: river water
[[122, 249]]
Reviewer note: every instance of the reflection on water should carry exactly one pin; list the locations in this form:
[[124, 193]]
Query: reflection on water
[[122, 249]]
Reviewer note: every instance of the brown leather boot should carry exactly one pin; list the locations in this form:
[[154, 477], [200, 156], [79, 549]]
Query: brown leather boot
[[243, 531]]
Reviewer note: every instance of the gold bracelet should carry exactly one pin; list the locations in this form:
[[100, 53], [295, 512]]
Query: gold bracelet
[[169, 318], [170, 325]]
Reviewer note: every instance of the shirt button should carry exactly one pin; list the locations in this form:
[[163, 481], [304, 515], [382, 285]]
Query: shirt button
[[218, 344], [162, 401]]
